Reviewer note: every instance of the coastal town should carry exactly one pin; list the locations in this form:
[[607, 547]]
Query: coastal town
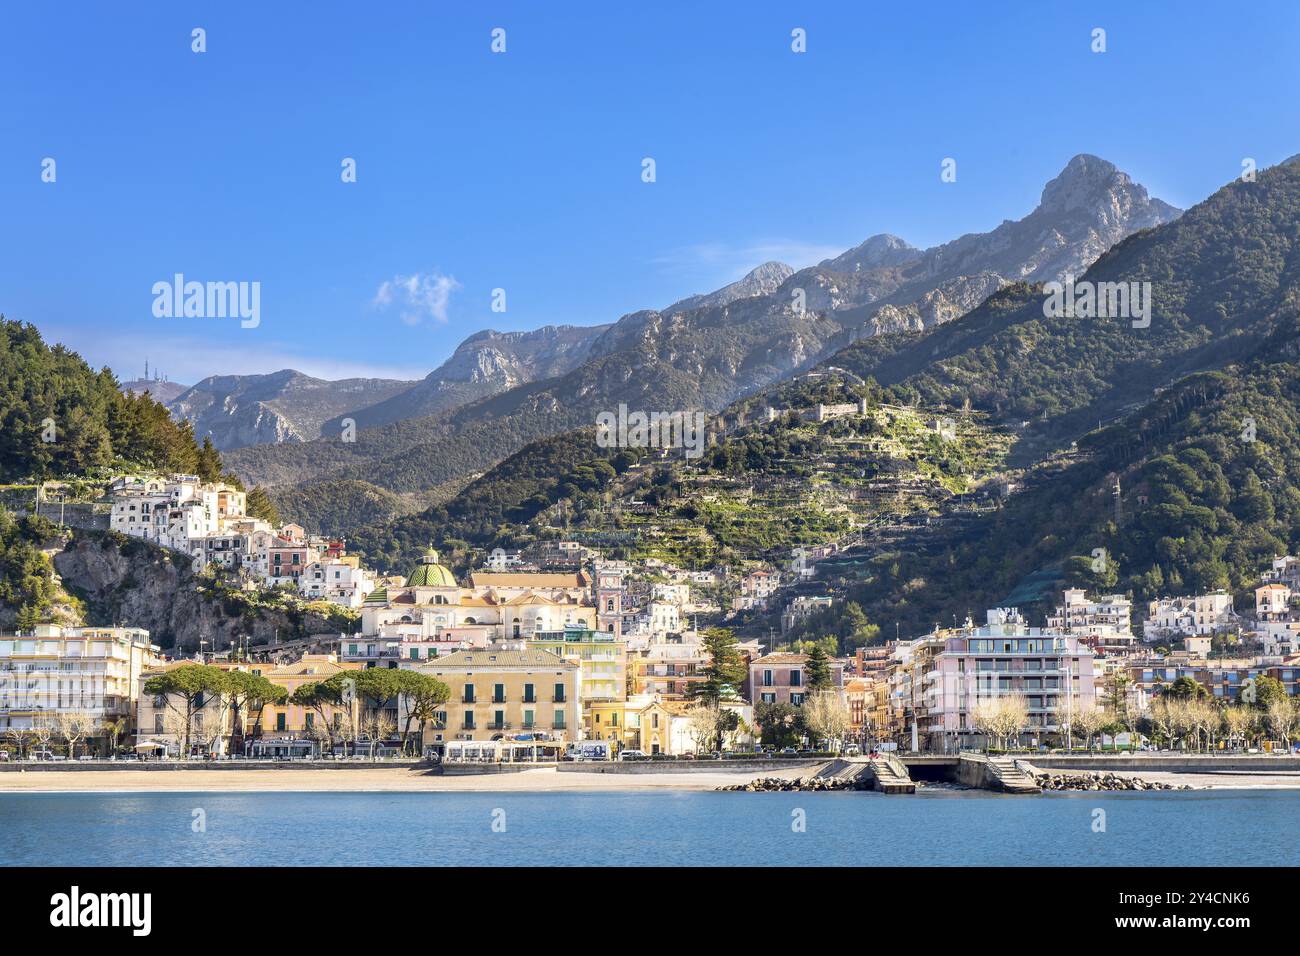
[[555, 653]]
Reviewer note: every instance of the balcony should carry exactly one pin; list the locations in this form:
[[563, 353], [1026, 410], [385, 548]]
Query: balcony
[[499, 725]]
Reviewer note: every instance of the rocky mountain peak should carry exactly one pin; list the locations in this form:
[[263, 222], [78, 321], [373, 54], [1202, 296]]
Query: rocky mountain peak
[[879, 251], [761, 280]]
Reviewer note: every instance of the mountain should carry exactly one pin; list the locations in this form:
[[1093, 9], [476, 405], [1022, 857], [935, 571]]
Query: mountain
[[1190, 482], [1220, 276], [763, 280], [161, 390], [284, 406], [487, 363], [733, 344], [876, 252]]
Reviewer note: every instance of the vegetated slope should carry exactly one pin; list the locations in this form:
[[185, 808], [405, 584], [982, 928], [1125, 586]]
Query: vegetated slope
[[59, 417]]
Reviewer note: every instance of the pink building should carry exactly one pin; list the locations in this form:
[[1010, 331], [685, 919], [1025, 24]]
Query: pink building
[[783, 678], [1052, 672]]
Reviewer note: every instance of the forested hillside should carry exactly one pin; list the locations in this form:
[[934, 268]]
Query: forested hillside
[[60, 417]]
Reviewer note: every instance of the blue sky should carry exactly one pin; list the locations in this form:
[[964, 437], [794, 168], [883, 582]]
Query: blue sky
[[522, 170]]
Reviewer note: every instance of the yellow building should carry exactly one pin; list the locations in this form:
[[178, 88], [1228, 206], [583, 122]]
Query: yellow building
[[609, 720], [290, 720], [157, 718], [498, 694], [602, 663]]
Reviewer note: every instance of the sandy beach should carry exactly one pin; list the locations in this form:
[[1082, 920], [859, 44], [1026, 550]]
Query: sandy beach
[[401, 779], [380, 779]]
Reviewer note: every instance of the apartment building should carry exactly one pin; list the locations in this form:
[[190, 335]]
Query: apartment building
[[601, 659], [952, 671], [1104, 623], [783, 678], [497, 693], [668, 668], [1187, 616], [54, 669]]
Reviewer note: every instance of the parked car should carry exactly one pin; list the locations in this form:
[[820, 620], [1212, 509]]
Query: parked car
[[853, 750], [631, 755], [788, 752], [4, 755], [41, 755]]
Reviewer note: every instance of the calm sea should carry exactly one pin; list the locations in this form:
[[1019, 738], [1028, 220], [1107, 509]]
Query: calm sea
[[1244, 828]]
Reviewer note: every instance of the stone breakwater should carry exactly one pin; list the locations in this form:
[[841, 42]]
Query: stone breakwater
[[1099, 781], [782, 785]]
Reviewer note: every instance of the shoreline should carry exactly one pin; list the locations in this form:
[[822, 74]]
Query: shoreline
[[541, 780]]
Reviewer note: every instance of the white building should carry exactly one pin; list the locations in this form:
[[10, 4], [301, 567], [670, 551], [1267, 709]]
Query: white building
[[57, 670], [802, 608], [502, 560], [1187, 616], [1105, 623], [340, 580], [175, 512]]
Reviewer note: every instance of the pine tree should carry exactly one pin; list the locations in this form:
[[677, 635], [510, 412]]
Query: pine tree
[[819, 668], [724, 672]]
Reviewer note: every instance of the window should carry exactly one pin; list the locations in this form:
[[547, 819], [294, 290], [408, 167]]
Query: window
[[558, 723], [468, 698], [530, 696], [796, 699], [279, 722], [469, 720], [498, 719], [767, 678], [559, 693], [796, 678], [498, 693], [528, 720]]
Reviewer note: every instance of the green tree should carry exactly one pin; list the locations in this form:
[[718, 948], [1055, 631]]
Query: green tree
[[424, 695], [1264, 689], [249, 695], [725, 670], [1186, 688], [186, 689], [259, 505], [819, 668]]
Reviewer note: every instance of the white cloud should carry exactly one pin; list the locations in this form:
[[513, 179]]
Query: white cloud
[[418, 297]]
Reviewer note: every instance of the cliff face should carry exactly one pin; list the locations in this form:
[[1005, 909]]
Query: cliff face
[[130, 582]]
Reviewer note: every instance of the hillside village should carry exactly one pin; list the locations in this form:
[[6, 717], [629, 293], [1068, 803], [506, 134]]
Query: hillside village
[[557, 645]]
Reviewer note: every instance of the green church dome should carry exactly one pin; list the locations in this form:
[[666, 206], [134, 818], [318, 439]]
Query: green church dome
[[430, 574]]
